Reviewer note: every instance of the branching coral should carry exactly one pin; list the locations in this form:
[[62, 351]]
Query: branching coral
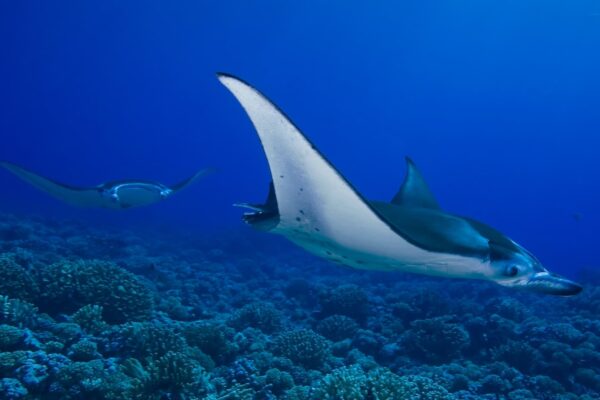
[[10, 337], [90, 319], [436, 340], [12, 389], [353, 383], [211, 338], [262, 316], [518, 354], [15, 281], [17, 312], [278, 381], [304, 347], [145, 339], [69, 285], [348, 300], [428, 303], [92, 380], [10, 361], [349, 383], [508, 308], [175, 371], [84, 350], [423, 388], [337, 327]]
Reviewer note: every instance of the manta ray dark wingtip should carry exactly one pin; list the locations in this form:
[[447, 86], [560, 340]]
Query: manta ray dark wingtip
[[225, 75], [12, 167], [206, 172], [5, 163]]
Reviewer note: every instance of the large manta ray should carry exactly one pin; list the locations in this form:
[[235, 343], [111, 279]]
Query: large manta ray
[[314, 206], [115, 194]]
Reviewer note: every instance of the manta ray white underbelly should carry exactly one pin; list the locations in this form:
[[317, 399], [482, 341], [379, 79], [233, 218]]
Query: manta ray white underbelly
[[392, 255]]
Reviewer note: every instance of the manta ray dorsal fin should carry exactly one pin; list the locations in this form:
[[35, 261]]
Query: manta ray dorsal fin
[[312, 197], [414, 191]]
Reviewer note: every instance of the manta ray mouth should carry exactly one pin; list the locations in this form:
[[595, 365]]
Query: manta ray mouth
[[549, 283]]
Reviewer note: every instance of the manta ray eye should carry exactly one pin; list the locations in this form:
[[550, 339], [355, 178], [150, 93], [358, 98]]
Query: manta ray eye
[[513, 270]]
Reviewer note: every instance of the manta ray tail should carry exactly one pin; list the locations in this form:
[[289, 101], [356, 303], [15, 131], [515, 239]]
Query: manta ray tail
[[83, 197]]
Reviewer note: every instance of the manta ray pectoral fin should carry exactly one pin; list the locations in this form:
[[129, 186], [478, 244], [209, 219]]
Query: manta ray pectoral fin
[[188, 181], [414, 191], [83, 197], [313, 199]]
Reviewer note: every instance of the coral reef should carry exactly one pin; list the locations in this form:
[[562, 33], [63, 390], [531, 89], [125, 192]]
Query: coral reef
[[436, 340], [337, 327], [93, 314], [303, 346], [349, 300], [15, 281], [213, 339], [68, 285], [263, 316]]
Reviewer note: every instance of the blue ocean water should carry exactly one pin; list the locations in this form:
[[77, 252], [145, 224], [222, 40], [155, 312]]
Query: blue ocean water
[[497, 102]]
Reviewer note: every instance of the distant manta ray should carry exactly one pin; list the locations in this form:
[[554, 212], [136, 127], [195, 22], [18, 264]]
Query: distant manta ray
[[115, 194], [312, 205]]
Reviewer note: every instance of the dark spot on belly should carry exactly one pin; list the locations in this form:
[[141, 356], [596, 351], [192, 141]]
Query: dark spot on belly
[[317, 229], [328, 253], [281, 176], [302, 189], [359, 262], [298, 219], [302, 212]]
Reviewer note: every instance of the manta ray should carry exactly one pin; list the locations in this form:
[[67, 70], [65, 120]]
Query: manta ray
[[114, 194], [314, 206]]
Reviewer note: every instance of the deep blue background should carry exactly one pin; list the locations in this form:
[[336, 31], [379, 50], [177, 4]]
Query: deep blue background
[[498, 102]]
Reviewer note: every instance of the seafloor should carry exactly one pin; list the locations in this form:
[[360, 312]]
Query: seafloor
[[98, 314]]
